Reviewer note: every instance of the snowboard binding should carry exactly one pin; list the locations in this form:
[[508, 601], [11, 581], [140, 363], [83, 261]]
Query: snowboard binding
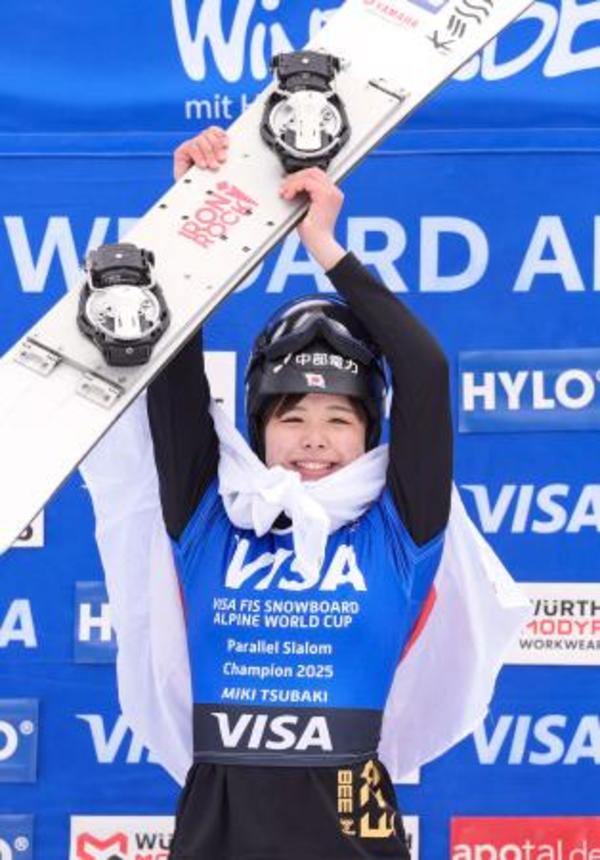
[[305, 121], [121, 307]]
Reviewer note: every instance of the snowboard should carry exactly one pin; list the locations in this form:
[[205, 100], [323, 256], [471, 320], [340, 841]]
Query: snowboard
[[209, 231]]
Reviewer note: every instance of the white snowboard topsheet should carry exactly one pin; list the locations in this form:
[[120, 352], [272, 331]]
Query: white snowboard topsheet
[[396, 53]]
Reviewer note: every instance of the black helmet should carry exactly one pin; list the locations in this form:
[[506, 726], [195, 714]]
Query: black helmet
[[314, 345]]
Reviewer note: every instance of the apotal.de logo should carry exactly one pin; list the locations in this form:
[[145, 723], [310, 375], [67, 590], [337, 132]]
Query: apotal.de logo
[[525, 838]]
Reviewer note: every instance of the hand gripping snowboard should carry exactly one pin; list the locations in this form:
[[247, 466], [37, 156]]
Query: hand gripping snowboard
[[58, 394]]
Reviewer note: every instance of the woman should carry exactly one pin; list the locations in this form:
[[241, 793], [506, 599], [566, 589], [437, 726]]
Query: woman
[[285, 744], [305, 572]]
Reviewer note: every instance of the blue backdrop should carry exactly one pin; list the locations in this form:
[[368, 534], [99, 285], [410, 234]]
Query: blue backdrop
[[483, 214]]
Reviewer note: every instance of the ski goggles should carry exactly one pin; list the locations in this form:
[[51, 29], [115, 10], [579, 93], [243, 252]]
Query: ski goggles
[[292, 336]]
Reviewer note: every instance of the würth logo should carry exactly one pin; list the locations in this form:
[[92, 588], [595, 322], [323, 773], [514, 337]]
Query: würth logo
[[123, 837], [221, 210], [90, 847]]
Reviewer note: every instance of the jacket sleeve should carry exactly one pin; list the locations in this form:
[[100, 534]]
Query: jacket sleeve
[[420, 467], [186, 448]]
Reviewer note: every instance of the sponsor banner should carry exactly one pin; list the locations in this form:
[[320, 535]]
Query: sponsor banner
[[539, 741], [43, 258], [18, 740], [525, 838], [536, 508], [16, 837], [95, 640], [149, 837], [213, 56], [113, 742], [33, 536], [529, 390], [141, 837], [17, 627], [565, 628]]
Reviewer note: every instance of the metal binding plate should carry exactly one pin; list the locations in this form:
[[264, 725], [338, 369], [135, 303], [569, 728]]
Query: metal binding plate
[[99, 390], [37, 357]]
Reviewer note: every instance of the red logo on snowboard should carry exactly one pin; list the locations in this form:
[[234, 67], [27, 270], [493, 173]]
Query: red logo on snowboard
[[389, 12], [222, 210]]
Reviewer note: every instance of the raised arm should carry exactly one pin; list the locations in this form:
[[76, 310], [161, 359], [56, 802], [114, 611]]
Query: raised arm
[[420, 469], [186, 447]]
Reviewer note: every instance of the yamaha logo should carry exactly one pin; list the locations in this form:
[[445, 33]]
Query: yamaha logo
[[394, 15]]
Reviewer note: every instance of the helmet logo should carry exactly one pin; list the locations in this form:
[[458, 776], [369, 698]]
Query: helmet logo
[[323, 359], [285, 361], [315, 380]]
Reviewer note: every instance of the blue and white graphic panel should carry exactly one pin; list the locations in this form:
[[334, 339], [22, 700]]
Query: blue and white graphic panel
[[94, 637], [18, 740], [530, 390], [16, 837]]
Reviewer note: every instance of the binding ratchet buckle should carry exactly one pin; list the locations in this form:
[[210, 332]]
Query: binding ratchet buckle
[[305, 121], [121, 307]]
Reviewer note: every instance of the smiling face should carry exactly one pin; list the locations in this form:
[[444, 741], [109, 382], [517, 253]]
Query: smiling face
[[315, 436]]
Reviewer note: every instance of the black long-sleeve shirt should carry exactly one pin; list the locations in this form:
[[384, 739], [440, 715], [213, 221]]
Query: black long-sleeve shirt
[[420, 465]]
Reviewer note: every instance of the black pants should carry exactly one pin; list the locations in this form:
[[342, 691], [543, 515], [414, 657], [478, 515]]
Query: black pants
[[234, 812]]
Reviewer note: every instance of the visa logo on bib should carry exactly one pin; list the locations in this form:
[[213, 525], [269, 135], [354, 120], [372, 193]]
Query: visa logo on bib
[[529, 390]]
